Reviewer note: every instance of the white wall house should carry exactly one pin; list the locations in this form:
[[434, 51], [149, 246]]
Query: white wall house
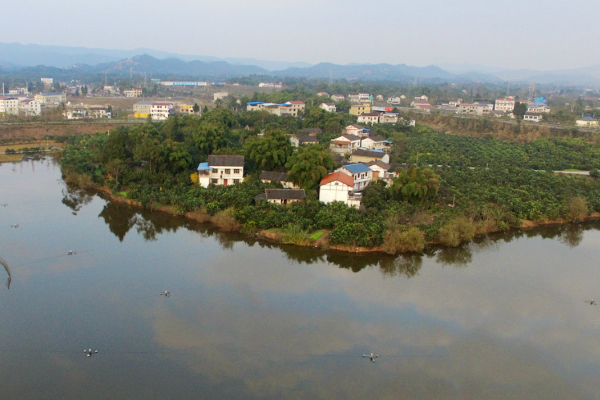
[[222, 170], [374, 143], [388, 118], [330, 107], [30, 107], [505, 104], [133, 92], [9, 105], [532, 117], [338, 97], [368, 118], [394, 100], [338, 187], [360, 172], [538, 108], [587, 122], [161, 111], [345, 144]]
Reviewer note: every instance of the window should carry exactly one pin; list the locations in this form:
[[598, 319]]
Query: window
[[236, 171], [236, 181], [227, 171], [215, 181], [215, 171]]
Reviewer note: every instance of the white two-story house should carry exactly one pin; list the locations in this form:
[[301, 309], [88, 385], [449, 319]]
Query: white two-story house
[[222, 170], [338, 187]]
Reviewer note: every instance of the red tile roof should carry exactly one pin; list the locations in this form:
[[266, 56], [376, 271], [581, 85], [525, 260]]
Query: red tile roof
[[340, 177]]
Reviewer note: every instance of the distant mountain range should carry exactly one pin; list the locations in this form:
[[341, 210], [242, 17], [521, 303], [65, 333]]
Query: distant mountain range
[[65, 62]]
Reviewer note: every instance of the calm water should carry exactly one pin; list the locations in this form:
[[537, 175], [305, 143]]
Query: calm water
[[500, 319]]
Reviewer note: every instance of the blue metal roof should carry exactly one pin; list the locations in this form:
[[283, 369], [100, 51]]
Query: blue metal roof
[[357, 168], [253, 103], [204, 167], [587, 119]]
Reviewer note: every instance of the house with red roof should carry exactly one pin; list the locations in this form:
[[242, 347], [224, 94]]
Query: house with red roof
[[338, 187]]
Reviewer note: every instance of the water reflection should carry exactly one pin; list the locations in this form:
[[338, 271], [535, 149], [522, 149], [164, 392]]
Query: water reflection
[[7, 268]]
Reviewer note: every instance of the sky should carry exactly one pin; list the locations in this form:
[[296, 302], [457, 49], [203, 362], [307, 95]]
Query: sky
[[515, 34]]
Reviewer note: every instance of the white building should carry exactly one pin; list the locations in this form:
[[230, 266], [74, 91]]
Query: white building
[[51, 97], [134, 92], [329, 107], [222, 170], [394, 100], [278, 85], [338, 187], [9, 105], [220, 95], [161, 111], [538, 108], [532, 117], [474, 108], [338, 97], [388, 118], [505, 104], [368, 118], [361, 174], [374, 143], [345, 144], [30, 108], [587, 122]]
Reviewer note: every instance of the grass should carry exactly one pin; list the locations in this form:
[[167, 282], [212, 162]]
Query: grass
[[10, 157], [37, 143], [317, 235], [124, 194]]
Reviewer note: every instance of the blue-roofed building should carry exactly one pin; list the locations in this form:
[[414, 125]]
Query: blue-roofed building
[[587, 122], [361, 173], [222, 170]]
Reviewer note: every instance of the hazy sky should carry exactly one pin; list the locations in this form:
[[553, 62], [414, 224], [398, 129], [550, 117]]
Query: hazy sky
[[544, 35]]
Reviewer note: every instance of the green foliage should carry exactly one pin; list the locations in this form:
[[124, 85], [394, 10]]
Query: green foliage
[[269, 152], [415, 185], [308, 165]]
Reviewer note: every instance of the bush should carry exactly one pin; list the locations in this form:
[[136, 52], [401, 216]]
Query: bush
[[294, 234], [457, 231], [595, 173], [396, 240], [226, 220], [577, 209]]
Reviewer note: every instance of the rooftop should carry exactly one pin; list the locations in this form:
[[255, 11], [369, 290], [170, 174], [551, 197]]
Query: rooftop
[[339, 177], [226, 161], [357, 168], [274, 176]]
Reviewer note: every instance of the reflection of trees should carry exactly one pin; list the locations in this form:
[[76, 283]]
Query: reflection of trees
[[406, 264], [75, 198], [354, 262], [457, 256], [572, 235], [120, 218]]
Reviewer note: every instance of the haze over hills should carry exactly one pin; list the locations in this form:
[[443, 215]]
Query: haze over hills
[[78, 61]]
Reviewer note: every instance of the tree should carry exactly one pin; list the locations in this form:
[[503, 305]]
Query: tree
[[196, 107], [520, 109], [415, 185], [268, 152], [308, 165]]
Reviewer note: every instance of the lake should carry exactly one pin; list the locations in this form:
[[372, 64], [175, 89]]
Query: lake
[[501, 318]]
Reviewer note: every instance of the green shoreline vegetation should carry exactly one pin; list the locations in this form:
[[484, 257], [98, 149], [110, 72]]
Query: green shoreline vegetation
[[456, 188]]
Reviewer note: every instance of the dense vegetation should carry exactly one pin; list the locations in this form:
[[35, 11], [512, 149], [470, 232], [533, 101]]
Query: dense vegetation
[[458, 186]]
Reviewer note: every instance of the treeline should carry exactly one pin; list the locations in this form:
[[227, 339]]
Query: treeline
[[484, 185]]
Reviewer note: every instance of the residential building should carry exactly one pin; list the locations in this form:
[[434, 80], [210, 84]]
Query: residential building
[[338, 187], [297, 107], [282, 196], [99, 112], [47, 81], [133, 92], [354, 97], [364, 97], [161, 111], [9, 105], [186, 109], [142, 109], [474, 108], [388, 118], [379, 97], [422, 97], [323, 94], [299, 140], [358, 109], [184, 83], [532, 117], [270, 85], [279, 177], [360, 172], [219, 95], [505, 104], [51, 97], [587, 122], [330, 107], [30, 108], [221, 170], [77, 112], [311, 131], [394, 100], [338, 97], [345, 144], [424, 107], [384, 171], [293, 108], [538, 108], [374, 143], [368, 118], [355, 129], [365, 156]]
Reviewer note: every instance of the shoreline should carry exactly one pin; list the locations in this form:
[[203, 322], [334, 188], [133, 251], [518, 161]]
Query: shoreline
[[321, 243]]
